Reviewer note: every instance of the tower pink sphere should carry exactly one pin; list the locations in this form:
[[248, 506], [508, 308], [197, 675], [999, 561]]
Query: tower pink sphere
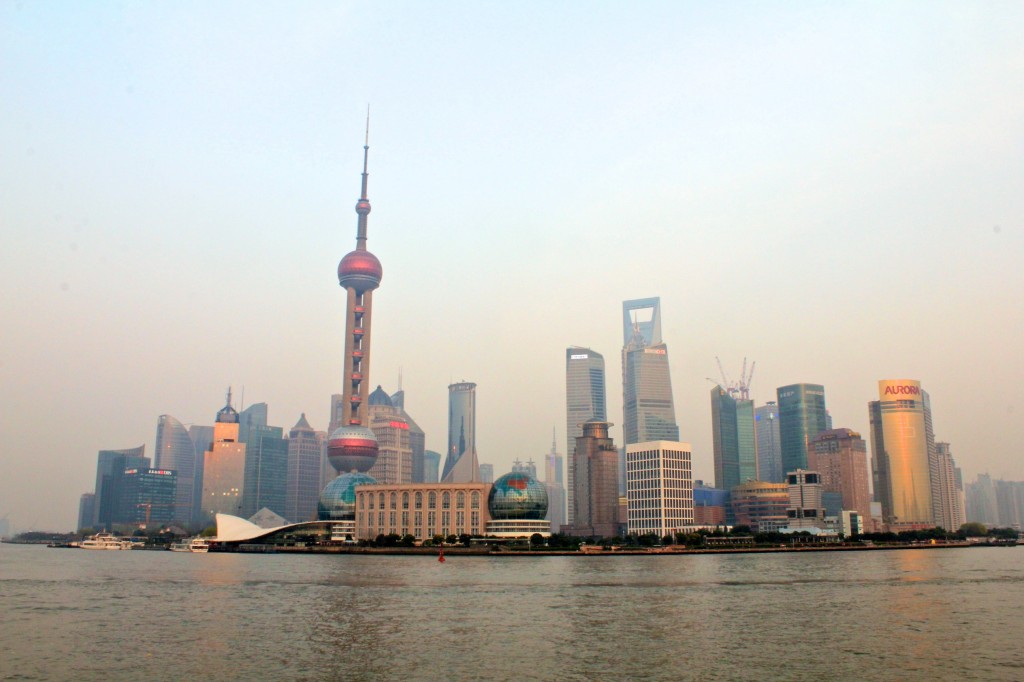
[[360, 270], [352, 448]]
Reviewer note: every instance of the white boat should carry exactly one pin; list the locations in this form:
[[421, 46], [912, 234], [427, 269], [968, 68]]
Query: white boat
[[201, 545], [105, 541]]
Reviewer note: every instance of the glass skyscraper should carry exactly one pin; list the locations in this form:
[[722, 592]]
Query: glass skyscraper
[[266, 470], [585, 399], [110, 466], [460, 465], [769, 443], [649, 412], [802, 416], [176, 450], [732, 424]]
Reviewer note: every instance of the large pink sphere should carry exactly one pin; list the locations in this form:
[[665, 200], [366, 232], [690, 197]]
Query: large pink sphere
[[352, 448], [360, 270]]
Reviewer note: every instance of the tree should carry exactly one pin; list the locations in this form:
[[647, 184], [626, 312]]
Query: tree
[[536, 540], [209, 532], [972, 529]]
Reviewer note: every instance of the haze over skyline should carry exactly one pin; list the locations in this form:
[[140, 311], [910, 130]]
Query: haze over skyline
[[833, 191]]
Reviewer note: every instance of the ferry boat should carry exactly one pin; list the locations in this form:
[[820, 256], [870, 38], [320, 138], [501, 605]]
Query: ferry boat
[[198, 545], [105, 541]]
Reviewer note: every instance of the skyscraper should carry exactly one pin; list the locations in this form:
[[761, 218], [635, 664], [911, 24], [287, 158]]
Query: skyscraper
[[802, 416], [86, 510], [146, 497], [266, 470], [585, 399], [595, 461], [555, 482], [769, 443], [303, 478], [951, 513], [223, 467], [175, 450], [646, 384], [252, 416], [841, 457], [659, 487], [202, 441], [110, 465], [486, 472], [394, 452], [732, 426], [352, 446], [899, 444], [431, 466], [461, 465], [417, 438]]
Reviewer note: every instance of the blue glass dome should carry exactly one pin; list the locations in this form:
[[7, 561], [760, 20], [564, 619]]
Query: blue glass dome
[[518, 496], [338, 499]]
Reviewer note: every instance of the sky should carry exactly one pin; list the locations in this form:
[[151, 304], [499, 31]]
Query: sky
[[832, 190]]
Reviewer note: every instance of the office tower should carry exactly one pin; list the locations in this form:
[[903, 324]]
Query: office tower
[[899, 444], [769, 443], [646, 384], [486, 473], [352, 446], [841, 457], [86, 510], [805, 509], [394, 453], [303, 478], [950, 507], [266, 470], [202, 441], [146, 497], [802, 416], [710, 505], [1010, 503], [554, 481], [252, 416], [110, 465], [981, 501], [585, 399], [659, 488], [176, 450], [761, 506], [431, 466], [529, 468], [732, 429], [223, 467], [417, 438], [461, 465], [596, 482]]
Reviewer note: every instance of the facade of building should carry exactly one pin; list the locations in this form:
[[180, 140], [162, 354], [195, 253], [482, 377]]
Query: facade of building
[[486, 473], [223, 467], [202, 440], [732, 428], [806, 509], [585, 399], [595, 463], [394, 450], [110, 465], [981, 501], [802, 416], [266, 470], [901, 458], [659, 488], [461, 464], [302, 486], [710, 505], [147, 497], [769, 443], [840, 456], [422, 510], [431, 466], [761, 506], [648, 407], [517, 504], [251, 417], [176, 450], [86, 510], [417, 437], [554, 479], [949, 488]]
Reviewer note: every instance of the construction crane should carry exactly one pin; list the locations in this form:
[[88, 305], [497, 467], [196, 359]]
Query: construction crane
[[739, 388]]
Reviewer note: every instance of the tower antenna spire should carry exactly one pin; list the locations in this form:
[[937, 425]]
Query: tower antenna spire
[[363, 205]]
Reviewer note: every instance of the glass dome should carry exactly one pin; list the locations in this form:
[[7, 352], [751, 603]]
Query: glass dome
[[338, 499], [518, 496]]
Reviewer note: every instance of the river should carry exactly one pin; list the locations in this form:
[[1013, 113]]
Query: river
[[881, 615]]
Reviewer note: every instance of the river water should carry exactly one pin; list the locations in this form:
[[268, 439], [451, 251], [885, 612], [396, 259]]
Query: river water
[[949, 614]]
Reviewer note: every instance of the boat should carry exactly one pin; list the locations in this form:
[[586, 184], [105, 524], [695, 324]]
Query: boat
[[105, 541], [201, 545], [181, 545]]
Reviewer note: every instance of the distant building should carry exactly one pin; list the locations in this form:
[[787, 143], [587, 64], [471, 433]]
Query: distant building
[[554, 480], [305, 450], [585, 399], [769, 443], [948, 489], [223, 467], [902, 460], [529, 468], [417, 438], [422, 510], [981, 501], [595, 479], [649, 411], [710, 505], [202, 440], [431, 466], [146, 497], [486, 473], [110, 465], [176, 450], [805, 509], [732, 428], [841, 457], [659, 488], [253, 416], [760, 505], [461, 464], [86, 510], [394, 452], [266, 470], [802, 416]]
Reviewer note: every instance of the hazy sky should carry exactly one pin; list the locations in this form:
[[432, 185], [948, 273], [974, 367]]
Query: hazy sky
[[834, 190]]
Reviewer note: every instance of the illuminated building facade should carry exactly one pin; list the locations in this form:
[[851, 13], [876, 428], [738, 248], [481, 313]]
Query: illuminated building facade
[[841, 457], [802, 416], [461, 464], [585, 399], [394, 448], [223, 467], [659, 488], [899, 444]]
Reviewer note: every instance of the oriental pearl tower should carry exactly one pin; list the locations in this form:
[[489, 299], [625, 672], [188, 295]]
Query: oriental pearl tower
[[352, 447]]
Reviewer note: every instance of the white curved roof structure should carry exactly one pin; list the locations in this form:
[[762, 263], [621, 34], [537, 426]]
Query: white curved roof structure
[[236, 529]]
